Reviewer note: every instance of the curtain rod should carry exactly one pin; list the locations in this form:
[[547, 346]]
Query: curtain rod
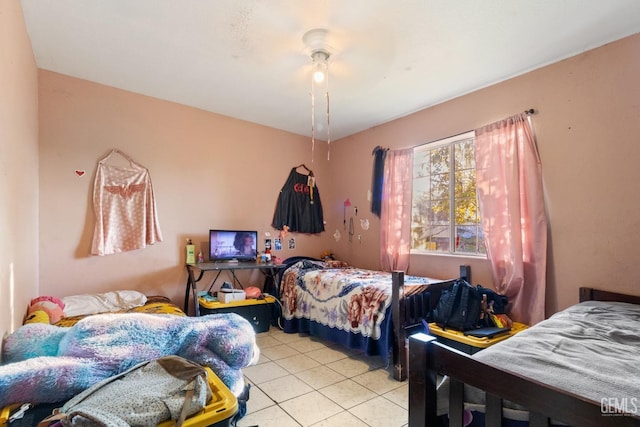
[[528, 112]]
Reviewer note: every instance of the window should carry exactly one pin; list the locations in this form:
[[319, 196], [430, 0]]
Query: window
[[445, 214]]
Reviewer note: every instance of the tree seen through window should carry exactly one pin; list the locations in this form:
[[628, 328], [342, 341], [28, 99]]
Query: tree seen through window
[[445, 214]]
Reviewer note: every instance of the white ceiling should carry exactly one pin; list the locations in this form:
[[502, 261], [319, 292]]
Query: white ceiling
[[246, 58]]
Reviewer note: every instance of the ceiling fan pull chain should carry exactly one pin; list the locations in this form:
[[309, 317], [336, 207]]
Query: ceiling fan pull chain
[[328, 131], [313, 122]]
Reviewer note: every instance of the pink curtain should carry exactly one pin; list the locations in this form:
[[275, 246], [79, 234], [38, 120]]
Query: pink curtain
[[509, 184], [395, 215]]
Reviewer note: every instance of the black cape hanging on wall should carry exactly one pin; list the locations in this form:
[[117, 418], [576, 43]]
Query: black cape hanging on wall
[[299, 205]]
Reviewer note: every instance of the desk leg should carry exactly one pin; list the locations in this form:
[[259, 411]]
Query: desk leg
[[236, 280], [215, 280], [196, 306], [186, 292], [271, 278], [191, 285]]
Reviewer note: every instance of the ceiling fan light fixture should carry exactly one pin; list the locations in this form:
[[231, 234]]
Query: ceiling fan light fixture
[[316, 41], [320, 65]]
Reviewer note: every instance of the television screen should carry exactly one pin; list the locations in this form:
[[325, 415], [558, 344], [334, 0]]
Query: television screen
[[232, 245]]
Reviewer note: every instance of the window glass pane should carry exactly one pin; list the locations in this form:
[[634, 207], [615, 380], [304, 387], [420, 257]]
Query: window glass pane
[[441, 237], [439, 186], [466, 212], [465, 155], [439, 160], [421, 164], [469, 239], [445, 216], [465, 183]]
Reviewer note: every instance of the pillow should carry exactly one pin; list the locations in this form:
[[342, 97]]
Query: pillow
[[80, 305]]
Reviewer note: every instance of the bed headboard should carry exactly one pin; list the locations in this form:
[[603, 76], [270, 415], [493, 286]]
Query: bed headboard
[[591, 294]]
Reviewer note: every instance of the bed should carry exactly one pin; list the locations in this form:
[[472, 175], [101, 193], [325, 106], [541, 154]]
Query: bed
[[154, 304], [101, 335], [579, 368], [67, 311], [355, 307]]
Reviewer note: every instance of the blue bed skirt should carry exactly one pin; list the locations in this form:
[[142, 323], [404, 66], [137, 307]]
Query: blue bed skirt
[[381, 347]]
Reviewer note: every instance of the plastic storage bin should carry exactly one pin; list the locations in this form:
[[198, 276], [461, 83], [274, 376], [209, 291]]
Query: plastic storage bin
[[469, 344], [218, 413], [256, 311]]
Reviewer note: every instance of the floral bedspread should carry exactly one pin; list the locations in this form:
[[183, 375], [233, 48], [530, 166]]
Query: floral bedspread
[[349, 299]]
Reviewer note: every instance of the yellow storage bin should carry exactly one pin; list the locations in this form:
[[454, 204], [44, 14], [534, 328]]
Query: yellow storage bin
[[257, 311], [469, 344], [217, 413], [6, 412]]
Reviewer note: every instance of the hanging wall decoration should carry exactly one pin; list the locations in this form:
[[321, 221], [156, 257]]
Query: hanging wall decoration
[[298, 207], [346, 204], [351, 230], [124, 206]]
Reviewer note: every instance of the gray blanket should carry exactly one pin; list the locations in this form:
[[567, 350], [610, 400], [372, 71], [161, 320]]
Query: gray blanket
[[590, 349]]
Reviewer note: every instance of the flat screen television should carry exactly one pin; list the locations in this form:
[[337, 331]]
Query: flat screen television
[[233, 245]]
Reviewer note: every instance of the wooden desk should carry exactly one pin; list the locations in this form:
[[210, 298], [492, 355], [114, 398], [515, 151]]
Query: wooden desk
[[271, 271]]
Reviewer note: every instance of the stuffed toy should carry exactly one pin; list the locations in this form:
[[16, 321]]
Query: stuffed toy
[[45, 310], [38, 316], [326, 255], [43, 363]]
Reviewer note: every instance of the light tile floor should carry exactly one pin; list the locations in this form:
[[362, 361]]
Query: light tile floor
[[304, 381]]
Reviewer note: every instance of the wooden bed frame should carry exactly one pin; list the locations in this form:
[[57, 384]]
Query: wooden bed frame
[[428, 357], [407, 312]]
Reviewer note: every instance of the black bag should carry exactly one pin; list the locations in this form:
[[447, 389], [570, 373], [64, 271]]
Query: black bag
[[458, 307], [465, 307], [496, 303]]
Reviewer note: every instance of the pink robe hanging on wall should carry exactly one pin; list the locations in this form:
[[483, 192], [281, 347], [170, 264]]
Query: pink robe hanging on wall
[[125, 208]]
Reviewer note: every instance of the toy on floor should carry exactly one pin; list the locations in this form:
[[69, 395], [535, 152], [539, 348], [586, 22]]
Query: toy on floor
[[43, 363]]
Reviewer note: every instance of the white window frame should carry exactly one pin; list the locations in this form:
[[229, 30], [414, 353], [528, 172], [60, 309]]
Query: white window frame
[[453, 250]]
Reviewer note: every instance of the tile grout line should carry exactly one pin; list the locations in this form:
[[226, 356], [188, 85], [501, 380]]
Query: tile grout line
[[325, 345]]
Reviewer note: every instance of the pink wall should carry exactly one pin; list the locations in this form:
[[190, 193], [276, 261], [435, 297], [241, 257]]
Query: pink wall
[[18, 168], [208, 171], [587, 128], [214, 171], [586, 108]]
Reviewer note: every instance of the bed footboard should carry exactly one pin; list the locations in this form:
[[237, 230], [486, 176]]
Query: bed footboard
[[399, 331], [407, 311]]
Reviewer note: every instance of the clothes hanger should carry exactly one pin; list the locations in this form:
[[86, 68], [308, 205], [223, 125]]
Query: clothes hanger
[[379, 148], [117, 151], [302, 165]]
